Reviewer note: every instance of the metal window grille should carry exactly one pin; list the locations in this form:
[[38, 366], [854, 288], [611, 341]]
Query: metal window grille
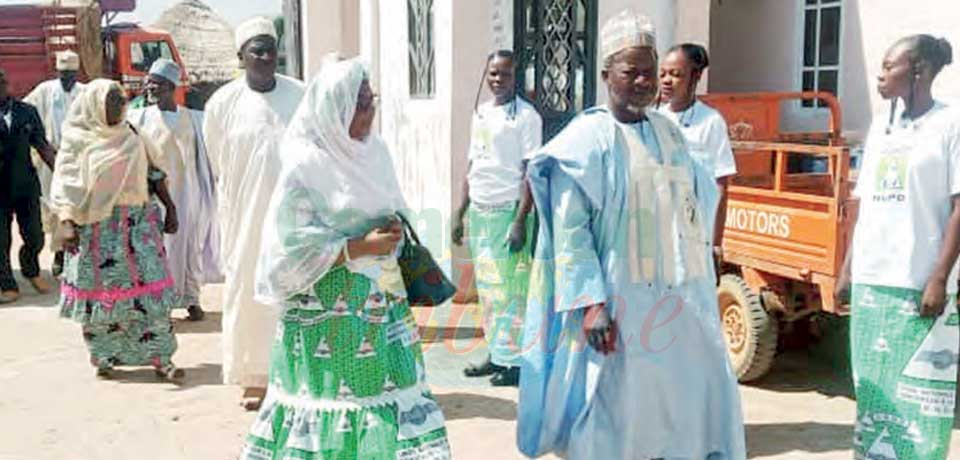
[[822, 21], [422, 62]]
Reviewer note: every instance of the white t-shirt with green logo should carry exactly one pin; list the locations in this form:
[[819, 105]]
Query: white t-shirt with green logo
[[501, 138], [910, 173]]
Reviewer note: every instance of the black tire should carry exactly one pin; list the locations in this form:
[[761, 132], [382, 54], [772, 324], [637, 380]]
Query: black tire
[[750, 333]]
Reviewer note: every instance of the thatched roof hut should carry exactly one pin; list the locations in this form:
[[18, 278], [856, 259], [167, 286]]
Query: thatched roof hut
[[205, 41]]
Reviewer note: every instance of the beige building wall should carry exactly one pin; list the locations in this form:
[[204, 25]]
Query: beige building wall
[[874, 25], [692, 21], [328, 26], [752, 46], [756, 45], [474, 38], [693, 26]]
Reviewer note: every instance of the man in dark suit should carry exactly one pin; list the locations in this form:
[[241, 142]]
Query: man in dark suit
[[20, 129]]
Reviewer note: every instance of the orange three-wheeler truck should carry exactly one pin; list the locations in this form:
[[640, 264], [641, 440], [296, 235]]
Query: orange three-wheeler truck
[[789, 213]]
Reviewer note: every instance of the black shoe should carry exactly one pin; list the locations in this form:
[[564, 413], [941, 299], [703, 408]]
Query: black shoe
[[57, 268], [482, 370], [195, 313], [104, 373], [508, 377]]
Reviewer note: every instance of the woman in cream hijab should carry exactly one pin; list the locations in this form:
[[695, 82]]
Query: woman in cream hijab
[[346, 375], [115, 279]]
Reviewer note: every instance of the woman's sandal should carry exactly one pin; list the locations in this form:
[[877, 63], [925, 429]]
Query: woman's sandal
[[195, 313], [104, 373], [252, 398], [170, 372]]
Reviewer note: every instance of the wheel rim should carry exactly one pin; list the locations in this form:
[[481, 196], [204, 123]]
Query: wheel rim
[[734, 326]]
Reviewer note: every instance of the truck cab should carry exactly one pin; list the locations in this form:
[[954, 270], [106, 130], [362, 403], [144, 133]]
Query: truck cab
[[31, 35], [130, 50]]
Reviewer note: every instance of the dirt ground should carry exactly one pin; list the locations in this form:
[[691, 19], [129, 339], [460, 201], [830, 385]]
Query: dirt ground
[[54, 409]]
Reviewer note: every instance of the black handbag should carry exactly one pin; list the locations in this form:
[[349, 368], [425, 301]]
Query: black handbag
[[427, 285]]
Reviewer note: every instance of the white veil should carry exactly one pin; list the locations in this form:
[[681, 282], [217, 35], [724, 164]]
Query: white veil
[[332, 187]]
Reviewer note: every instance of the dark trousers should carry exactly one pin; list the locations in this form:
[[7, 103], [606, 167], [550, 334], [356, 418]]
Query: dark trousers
[[27, 211]]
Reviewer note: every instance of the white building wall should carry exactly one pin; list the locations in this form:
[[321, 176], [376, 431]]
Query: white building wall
[[501, 24], [418, 131], [369, 37]]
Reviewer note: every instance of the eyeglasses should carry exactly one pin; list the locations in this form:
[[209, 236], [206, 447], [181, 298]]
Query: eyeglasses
[[364, 104]]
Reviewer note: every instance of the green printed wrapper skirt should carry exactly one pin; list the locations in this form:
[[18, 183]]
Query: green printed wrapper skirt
[[117, 286], [905, 375], [347, 380], [502, 279]]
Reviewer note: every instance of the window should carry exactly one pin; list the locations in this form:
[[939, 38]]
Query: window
[[420, 34], [142, 54], [821, 47]]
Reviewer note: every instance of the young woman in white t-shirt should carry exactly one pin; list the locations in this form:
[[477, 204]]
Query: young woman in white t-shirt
[[497, 204], [902, 263], [703, 127]]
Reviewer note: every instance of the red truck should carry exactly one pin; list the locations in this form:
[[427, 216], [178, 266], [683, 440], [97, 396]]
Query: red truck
[[31, 36]]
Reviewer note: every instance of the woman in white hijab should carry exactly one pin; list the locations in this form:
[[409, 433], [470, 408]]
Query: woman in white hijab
[[347, 378], [115, 279]]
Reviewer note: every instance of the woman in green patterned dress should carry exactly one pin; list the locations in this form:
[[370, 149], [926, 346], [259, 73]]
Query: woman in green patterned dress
[[497, 205], [115, 278], [346, 375], [901, 269]]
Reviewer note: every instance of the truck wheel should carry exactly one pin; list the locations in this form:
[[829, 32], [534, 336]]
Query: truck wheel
[[750, 333]]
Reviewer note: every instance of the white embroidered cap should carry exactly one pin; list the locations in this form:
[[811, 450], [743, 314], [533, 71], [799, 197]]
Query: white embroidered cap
[[167, 70], [254, 28], [626, 30], [68, 60]]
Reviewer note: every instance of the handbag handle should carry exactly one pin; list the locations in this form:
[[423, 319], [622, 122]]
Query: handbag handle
[[411, 234]]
